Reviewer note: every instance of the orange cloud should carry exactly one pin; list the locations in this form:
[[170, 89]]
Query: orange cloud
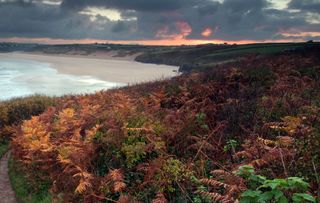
[[207, 32], [184, 31]]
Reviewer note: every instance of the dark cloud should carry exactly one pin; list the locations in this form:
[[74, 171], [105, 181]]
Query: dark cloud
[[41, 21], [121, 27], [243, 6], [305, 5], [16, 3], [138, 5], [157, 19], [208, 8]]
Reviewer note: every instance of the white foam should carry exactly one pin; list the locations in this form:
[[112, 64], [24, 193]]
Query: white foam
[[27, 77]]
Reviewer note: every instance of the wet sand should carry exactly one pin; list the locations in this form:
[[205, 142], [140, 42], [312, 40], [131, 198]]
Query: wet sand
[[112, 69]]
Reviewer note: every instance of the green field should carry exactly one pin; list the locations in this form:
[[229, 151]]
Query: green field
[[260, 48], [195, 57]]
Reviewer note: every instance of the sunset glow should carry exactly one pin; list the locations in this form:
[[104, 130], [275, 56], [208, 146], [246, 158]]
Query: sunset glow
[[164, 42]]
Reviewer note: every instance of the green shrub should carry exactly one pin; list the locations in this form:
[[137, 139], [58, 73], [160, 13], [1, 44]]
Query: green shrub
[[173, 171], [16, 110], [260, 77], [134, 152], [312, 72], [25, 192], [262, 190], [3, 148], [230, 145]]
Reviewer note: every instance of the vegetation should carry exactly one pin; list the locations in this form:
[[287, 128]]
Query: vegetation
[[25, 193], [205, 56], [276, 190], [245, 131], [3, 148], [12, 113], [16, 110]]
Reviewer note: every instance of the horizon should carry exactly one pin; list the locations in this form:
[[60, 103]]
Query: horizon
[[169, 23], [150, 43]]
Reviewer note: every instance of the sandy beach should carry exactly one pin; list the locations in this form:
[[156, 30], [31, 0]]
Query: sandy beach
[[112, 69]]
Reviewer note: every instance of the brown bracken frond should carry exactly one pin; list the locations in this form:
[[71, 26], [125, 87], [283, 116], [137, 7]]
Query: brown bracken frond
[[160, 198], [216, 197], [213, 183]]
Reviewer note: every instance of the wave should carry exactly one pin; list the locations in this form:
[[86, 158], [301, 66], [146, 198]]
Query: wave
[[26, 77]]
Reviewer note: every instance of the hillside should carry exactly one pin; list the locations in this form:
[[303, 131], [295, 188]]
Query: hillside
[[119, 50], [10, 47], [208, 55], [187, 57], [247, 130]]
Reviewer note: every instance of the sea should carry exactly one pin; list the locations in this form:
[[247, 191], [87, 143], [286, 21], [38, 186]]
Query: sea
[[19, 78]]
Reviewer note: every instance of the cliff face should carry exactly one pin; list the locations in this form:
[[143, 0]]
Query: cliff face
[[160, 141]]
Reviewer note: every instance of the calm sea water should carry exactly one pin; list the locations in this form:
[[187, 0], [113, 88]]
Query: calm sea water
[[26, 77]]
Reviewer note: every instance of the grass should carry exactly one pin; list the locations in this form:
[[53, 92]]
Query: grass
[[207, 56], [24, 191], [224, 55], [259, 49], [3, 148]]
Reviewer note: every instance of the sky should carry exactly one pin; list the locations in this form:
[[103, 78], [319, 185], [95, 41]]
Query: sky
[[159, 22]]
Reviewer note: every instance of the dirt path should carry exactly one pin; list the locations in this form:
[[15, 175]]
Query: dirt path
[[6, 193]]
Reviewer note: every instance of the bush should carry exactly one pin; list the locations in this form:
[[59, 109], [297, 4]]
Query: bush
[[16, 110], [261, 189], [260, 77], [25, 192]]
